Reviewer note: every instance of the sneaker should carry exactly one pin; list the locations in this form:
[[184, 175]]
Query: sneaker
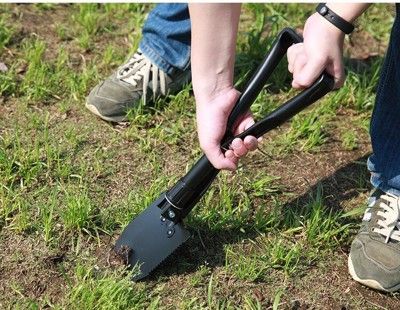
[[374, 258], [138, 79]]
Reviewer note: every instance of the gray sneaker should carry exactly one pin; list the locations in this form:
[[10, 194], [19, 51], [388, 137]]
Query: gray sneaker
[[374, 258], [138, 79]]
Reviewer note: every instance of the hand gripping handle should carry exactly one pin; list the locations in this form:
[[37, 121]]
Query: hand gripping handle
[[187, 192]]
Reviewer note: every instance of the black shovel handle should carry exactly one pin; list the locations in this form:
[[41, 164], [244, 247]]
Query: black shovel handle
[[321, 87], [286, 38], [187, 192]]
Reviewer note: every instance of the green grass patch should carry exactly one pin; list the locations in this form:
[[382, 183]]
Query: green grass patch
[[69, 182], [298, 238], [6, 33], [95, 289]]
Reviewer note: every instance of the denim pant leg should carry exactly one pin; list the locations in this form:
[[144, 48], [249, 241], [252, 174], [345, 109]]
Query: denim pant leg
[[384, 163], [166, 36]]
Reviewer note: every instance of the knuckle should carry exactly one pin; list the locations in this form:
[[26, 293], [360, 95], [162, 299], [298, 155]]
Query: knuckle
[[218, 166], [319, 60], [302, 81]]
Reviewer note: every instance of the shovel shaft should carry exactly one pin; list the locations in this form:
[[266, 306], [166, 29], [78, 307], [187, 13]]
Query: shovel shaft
[[285, 39], [321, 87], [184, 195]]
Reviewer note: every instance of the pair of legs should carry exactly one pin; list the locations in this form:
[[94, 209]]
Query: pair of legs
[[164, 60]]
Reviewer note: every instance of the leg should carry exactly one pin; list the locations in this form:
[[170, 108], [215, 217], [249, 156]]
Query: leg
[[384, 163], [375, 252], [166, 37], [160, 66]]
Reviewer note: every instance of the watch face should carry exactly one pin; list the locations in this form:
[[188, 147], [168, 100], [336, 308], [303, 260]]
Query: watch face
[[323, 10]]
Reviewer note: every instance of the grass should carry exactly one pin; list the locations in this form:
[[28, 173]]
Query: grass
[[6, 32], [296, 238], [93, 289], [269, 236]]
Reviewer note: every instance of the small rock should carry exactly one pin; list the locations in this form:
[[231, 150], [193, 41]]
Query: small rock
[[295, 305], [22, 68], [3, 67]]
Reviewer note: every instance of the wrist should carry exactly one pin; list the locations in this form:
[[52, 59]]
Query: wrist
[[316, 21], [334, 18], [349, 12], [206, 92]]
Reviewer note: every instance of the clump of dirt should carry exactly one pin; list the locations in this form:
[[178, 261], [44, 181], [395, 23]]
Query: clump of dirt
[[118, 257], [54, 260]]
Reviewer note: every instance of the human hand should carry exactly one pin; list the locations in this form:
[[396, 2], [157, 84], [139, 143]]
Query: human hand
[[212, 116], [322, 49]]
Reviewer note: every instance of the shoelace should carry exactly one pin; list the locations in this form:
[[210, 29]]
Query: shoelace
[[389, 225], [138, 68]]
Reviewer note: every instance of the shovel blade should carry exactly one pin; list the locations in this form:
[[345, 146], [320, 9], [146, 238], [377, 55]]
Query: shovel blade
[[149, 239]]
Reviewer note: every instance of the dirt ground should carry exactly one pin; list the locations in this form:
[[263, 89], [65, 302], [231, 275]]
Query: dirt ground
[[32, 270]]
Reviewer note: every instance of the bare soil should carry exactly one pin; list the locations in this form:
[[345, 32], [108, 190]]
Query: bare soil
[[42, 271]]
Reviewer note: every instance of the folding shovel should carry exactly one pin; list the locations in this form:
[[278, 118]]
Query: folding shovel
[[158, 231]]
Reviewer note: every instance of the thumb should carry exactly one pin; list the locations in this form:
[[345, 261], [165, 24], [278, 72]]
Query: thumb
[[217, 158], [336, 69], [230, 99], [246, 122]]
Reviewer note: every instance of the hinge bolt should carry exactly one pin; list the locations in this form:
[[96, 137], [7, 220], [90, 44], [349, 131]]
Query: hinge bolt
[[170, 232]]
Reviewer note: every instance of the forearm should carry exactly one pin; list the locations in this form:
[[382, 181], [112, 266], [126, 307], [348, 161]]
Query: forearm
[[214, 32]]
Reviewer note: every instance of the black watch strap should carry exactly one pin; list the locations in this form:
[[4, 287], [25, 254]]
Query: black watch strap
[[335, 19]]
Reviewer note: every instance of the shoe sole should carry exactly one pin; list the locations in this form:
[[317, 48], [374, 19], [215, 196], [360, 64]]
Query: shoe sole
[[95, 111], [370, 282]]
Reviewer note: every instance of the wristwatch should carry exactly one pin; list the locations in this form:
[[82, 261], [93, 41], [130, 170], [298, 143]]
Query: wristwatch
[[334, 19]]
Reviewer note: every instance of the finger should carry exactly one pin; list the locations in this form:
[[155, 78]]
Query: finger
[[217, 158], [238, 147], [292, 53], [250, 143], [309, 71], [245, 123], [249, 122], [230, 155], [337, 71], [298, 66], [231, 97]]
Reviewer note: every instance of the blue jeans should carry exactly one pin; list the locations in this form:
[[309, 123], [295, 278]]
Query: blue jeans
[[384, 163], [166, 37]]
